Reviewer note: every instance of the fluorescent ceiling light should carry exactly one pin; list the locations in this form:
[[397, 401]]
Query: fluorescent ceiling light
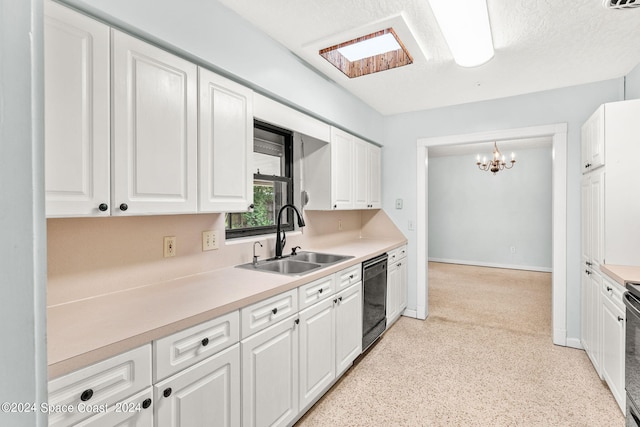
[[370, 47], [465, 26]]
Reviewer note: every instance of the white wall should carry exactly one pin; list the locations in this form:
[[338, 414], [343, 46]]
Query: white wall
[[208, 32], [572, 105], [475, 217], [23, 366], [633, 84]]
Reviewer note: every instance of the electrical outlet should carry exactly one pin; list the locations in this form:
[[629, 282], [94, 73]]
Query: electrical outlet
[[398, 203], [209, 240], [339, 225], [411, 226], [169, 246]]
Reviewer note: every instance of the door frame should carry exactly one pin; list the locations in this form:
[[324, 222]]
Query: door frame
[[558, 133]]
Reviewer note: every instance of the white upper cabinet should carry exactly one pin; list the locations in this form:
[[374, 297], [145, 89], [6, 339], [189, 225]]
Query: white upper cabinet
[[225, 175], [342, 177], [374, 163], [366, 175], [76, 105], [344, 174], [154, 159], [593, 141]]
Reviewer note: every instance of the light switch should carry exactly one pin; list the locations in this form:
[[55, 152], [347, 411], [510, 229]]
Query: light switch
[[398, 203]]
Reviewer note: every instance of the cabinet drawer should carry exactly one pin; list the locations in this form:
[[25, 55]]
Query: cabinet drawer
[[613, 292], [315, 291], [105, 382], [136, 411], [401, 252], [258, 316], [393, 255], [184, 348], [348, 276]]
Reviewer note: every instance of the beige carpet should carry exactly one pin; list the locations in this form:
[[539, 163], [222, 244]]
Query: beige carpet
[[484, 357]]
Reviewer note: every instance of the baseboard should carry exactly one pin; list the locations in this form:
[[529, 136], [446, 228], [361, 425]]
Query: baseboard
[[493, 265], [410, 313], [574, 343]]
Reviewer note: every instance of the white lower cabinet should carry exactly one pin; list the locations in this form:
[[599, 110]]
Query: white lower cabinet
[[613, 318], [396, 284], [330, 340], [348, 314], [317, 350], [207, 393], [136, 411], [591, 312], [270, 375], [92, 390]]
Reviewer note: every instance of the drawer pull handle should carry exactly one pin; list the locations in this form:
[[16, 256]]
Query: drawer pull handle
[[167, 392], [275, 310], [340, 299], [351, 277], [335, 301], [609, 288], [86, 395], [320, 290], [205, 342], [620, 319], [146, 403]]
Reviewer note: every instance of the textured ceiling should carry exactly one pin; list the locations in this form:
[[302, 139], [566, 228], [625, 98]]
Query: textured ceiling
[[539, 45]]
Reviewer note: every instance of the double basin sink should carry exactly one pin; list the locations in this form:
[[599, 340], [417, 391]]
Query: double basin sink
[[296, 265]]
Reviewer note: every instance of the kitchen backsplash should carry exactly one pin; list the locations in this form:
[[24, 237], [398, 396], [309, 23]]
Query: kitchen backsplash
[[95, 256]]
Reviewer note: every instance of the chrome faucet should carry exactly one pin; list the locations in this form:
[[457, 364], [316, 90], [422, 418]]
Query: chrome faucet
[[255, 257], [281, 242]]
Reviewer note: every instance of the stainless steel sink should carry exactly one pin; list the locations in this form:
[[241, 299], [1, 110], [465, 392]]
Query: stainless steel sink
[[299, 264], [319, 258]]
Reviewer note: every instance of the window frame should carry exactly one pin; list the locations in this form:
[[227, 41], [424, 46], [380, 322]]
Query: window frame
[[288, 179]]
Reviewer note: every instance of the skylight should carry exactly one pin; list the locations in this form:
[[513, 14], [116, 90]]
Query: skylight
[[370, 47], [368, 54]]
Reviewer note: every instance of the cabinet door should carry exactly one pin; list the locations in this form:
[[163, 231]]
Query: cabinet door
[[76, 119], [402, 285], [341, 169], [270, 375], [154, 130], [585, 211], [586, 315], [225, 145], [348, 313], [596, 138], [207, 393], [317, 350], [393, 284], [136, 411], [597, 218], [360, 174], [593, 315], [613, 351], [375, 176]]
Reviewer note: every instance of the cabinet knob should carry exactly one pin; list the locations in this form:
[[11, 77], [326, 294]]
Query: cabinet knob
[[275, 310], [297, 321], [146, 403], [609, 288], [350, 276], [335, 206], [86, 395], [620, 319], [335, 301], [167, 392], [251, 206], [340, 299], [124, 207], [587, 271], [103, 207], [205, 342], [320, 290], [588, 263]]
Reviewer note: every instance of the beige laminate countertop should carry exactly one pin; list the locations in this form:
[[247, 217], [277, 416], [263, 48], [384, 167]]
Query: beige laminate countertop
[[83, 332], [622, 273]]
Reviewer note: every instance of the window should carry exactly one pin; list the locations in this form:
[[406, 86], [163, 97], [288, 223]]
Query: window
[[272, 184]]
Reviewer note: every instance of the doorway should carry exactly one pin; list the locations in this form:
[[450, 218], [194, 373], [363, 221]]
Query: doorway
[[558, 134]]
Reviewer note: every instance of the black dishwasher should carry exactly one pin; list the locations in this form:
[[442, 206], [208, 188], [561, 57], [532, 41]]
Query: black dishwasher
[[374, 312]]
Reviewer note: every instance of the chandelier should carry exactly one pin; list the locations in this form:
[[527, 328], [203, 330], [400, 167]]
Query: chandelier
[[498, 162]]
